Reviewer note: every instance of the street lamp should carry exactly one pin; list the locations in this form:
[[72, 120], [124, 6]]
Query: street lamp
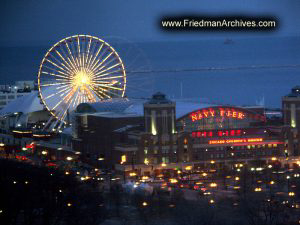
[[44, 152]]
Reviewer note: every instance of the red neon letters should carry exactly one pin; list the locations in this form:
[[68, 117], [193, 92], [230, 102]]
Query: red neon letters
[[208, 113]]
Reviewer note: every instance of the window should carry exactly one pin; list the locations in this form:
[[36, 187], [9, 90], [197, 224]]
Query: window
[[165, 151], [165, 159], [11, 97], [146, 151], [2, 97]]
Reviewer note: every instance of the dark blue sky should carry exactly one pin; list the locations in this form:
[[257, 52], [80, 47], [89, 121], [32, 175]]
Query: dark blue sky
[[43, 21]]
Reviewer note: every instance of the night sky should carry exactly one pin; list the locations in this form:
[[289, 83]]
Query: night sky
[[39, 21], [29, 28]]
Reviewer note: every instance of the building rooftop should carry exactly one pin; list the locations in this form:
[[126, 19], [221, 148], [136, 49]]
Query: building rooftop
[[26, 104], [295, 92], [159, 98]]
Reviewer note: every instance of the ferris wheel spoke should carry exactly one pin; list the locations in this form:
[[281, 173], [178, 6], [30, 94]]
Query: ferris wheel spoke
[[93, 58], [97, 77], [62, 100], [83, 52], [55, 75], [78, 51], [67, 69], [110, 78], [71, 55], [96, 71], [51, 95], [56, 93], [94, 45], [96, 89], [53, 84], [63, 59], [96, 63], [108, 86], [88, 51], [109, 68], [57, 71], [56, 65], [110, 92], [95, 68], [68, 57], [74, 51], [75, 99]]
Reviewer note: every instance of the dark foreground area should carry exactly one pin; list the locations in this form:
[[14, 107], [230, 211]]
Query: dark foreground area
[[37, 195]]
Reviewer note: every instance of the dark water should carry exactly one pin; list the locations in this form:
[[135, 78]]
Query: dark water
[[240, 85]]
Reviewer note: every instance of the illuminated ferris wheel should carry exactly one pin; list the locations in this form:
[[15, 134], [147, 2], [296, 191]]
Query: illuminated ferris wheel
[[79, 69]]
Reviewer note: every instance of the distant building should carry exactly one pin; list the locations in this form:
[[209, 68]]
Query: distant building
[[9, 93], [291, 119]]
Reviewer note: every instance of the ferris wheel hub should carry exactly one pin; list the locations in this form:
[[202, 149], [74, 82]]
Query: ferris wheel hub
[[81, 78]]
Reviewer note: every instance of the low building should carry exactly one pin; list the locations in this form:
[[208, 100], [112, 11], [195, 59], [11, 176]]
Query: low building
[[168, 134], [9, 93]]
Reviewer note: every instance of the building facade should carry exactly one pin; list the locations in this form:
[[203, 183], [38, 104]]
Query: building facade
[[218, 134]]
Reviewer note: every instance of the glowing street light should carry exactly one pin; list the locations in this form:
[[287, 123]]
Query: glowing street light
[[69, 158], [44, 152], [188, 168], [145, 203], [213, 185], [258, 189], [173, 181], [291, 194]]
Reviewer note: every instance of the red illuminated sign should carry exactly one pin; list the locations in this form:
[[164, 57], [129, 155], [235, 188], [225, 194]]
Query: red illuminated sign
[[208, 113], [220, 133], [234, 141]]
